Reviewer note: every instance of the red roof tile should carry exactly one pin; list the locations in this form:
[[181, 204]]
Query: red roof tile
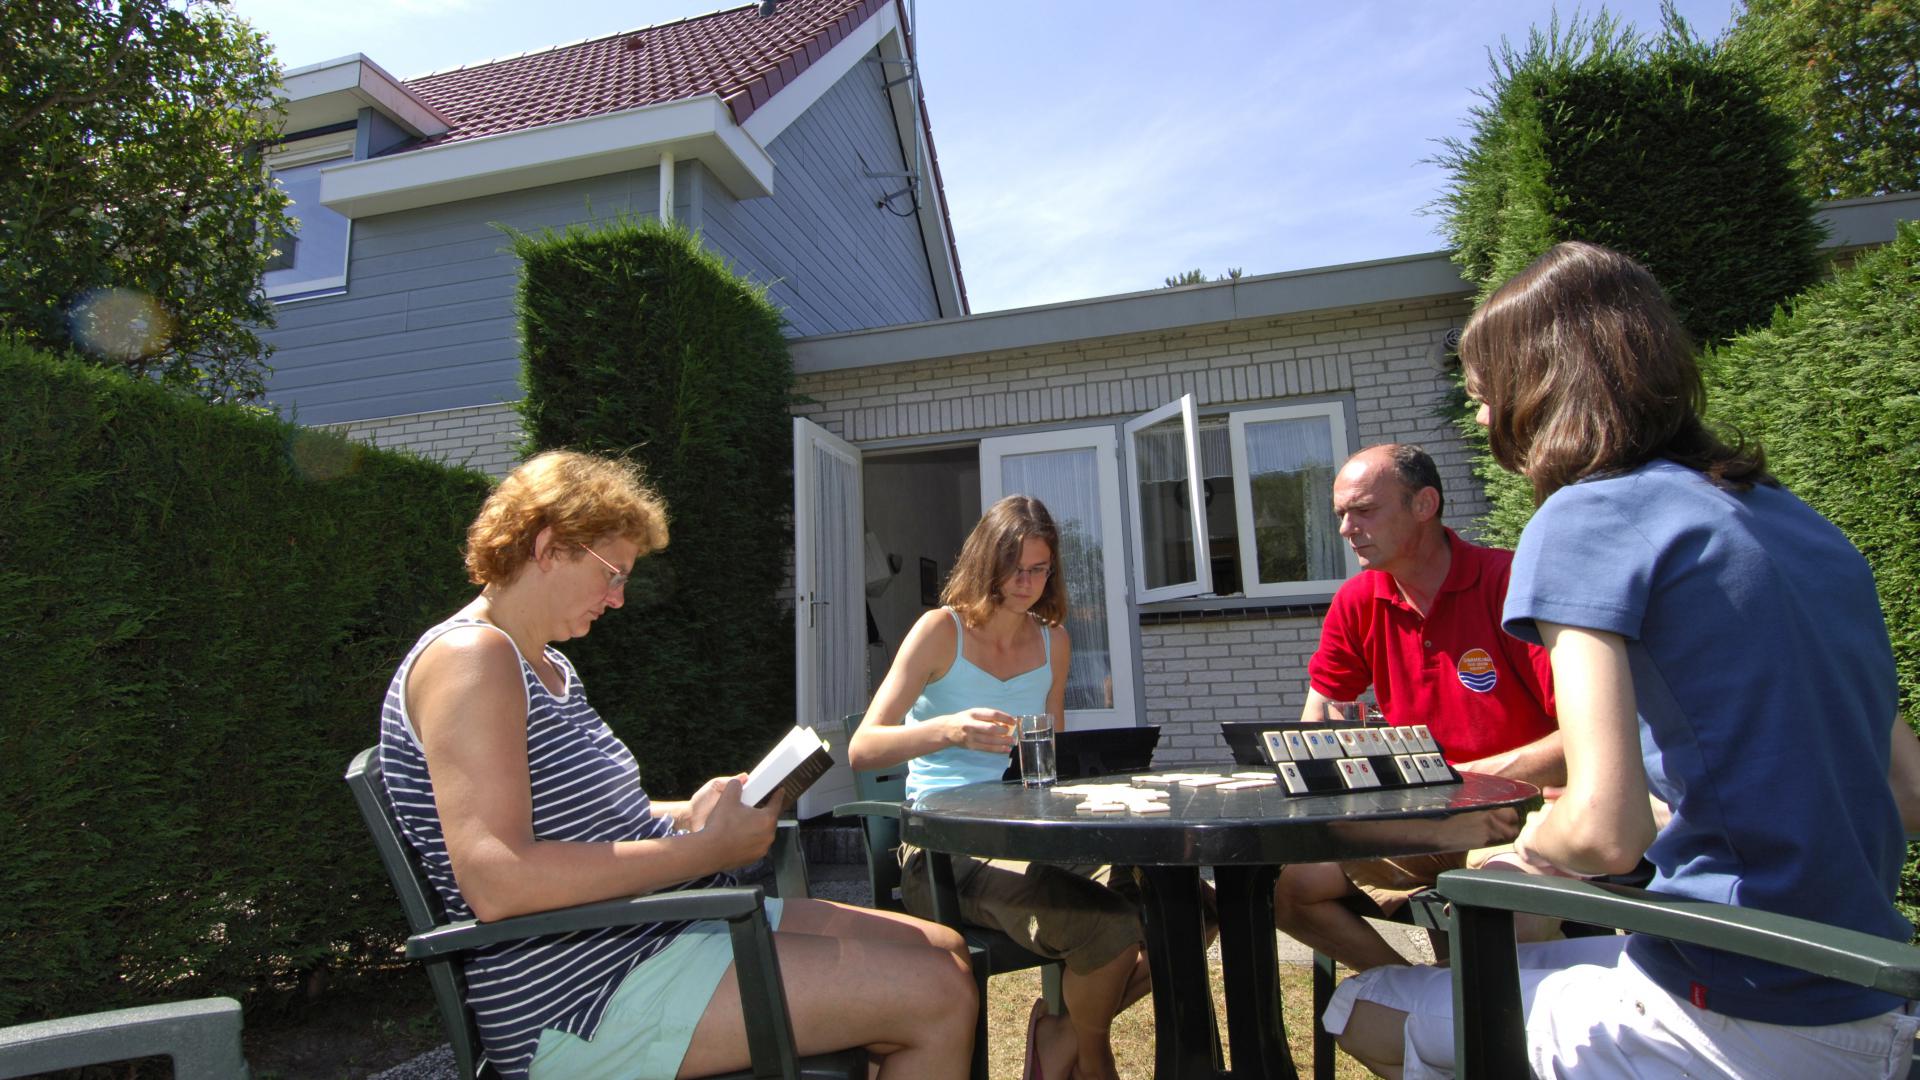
[[736, 54]]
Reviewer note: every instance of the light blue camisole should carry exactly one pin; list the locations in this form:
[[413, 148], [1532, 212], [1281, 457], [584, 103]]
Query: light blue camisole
[[965, 686]]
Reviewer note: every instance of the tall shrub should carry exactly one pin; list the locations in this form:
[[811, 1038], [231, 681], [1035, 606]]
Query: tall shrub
[[1663, 148], [639, 341], [199, 611]]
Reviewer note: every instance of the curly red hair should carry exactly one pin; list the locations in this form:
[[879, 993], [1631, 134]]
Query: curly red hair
[[583, 498]]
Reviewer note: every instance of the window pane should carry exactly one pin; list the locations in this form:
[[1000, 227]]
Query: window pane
[[1290, 470], [1067, 481], [318, 257], [1166, 525]]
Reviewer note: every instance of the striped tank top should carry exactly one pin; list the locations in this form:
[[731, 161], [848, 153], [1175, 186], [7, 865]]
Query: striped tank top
[[586, 787], [968, 686]]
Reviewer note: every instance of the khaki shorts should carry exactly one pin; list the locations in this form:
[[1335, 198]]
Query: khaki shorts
[[1062, 913], [1388, 882]]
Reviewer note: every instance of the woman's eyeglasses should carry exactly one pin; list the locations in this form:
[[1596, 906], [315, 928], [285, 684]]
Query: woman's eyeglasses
[[1043, 571], [618, 580]]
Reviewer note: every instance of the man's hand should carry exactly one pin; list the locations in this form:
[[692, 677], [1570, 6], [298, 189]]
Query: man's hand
[[987, 730]]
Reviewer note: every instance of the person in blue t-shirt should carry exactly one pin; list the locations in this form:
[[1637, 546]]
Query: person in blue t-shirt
[[998, 649], [1714, 642]]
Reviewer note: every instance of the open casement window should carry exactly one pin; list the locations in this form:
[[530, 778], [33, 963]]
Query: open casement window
[[1076, 474], [313, 261], [1172, 556], [1283, 461]]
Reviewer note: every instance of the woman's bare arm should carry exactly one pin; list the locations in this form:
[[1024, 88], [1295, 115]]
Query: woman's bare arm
[[884, 739], [1602, 822]]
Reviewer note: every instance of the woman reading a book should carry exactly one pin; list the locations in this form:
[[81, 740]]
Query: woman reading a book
[[995, 650], [518, 799], [1713, 640]]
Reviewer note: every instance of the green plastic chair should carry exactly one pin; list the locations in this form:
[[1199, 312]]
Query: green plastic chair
[[881, 792], [201, 1037], [438, 944], [1489, 1028]]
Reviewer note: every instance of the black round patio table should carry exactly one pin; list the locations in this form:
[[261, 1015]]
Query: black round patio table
[[1245, 835]]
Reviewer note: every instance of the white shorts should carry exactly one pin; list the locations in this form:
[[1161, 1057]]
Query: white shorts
[[1592, 1013]]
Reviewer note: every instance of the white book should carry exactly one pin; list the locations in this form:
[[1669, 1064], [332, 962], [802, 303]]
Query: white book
[[791, 767]]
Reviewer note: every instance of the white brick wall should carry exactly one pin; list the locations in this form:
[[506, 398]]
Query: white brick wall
[[1200, 672], [480, 438], [1197, 672]]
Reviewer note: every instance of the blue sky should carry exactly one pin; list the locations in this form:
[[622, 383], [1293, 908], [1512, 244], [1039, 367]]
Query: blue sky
[[1092, 148]]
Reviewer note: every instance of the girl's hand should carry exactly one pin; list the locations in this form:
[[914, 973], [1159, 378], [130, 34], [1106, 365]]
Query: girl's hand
[[986, 730], [1531, 859]]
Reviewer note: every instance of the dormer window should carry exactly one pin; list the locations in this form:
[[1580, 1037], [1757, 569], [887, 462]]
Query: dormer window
[[313, 261]]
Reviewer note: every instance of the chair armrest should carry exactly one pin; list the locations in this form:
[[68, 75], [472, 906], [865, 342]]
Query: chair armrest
[[1832, 951], [719, 903], [883, 808], [789, 859], [202, 1037], [763, 998]]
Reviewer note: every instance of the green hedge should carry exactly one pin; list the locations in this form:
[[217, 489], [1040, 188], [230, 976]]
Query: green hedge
[[1662, 148], [200, 608], [638, 341]]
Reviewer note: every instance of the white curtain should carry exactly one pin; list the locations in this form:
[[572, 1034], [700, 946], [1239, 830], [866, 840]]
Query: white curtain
[[1067, 481], [1300, 449]]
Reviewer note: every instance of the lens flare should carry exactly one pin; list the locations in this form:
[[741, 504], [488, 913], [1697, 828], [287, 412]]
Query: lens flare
[[320, 456], [119, 324]]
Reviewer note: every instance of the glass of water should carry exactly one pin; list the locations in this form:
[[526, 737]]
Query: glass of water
[[1036, 749]]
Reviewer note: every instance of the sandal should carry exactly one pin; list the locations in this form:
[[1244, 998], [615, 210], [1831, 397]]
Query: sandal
[[1031, 1070]]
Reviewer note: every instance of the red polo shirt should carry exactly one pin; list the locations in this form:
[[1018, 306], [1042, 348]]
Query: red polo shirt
[[1479, 690]]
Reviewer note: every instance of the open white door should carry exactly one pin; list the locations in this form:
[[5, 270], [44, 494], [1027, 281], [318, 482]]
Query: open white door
[[1076, 474], [829, 642]]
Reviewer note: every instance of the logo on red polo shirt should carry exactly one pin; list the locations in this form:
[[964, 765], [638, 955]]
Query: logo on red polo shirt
[[1476, 671]]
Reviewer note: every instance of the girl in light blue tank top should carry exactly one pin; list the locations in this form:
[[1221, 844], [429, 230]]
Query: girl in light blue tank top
[[995, 651], [964, 686]]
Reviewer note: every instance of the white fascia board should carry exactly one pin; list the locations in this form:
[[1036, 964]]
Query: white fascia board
[[1857, 223], [334, 91], [881, 31], [796, 97], [695, 128], [1413, 277]]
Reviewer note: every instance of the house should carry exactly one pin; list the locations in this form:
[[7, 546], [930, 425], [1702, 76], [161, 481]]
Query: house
[[1185, 439], [793, 142]]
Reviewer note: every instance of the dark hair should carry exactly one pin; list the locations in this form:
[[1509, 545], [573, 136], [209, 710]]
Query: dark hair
[[1416, 470], [992, 553], [1586, 371]]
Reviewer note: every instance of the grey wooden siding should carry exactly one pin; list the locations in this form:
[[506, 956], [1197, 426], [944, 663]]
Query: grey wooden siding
[[427, 321], [832, 259]]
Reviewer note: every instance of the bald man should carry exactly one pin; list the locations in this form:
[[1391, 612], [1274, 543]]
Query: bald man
[[1420, 626]]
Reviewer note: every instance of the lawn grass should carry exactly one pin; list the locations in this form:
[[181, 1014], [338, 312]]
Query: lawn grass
[[1010, 996]]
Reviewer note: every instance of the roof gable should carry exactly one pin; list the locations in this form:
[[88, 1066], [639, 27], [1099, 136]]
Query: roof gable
[[736, 55]]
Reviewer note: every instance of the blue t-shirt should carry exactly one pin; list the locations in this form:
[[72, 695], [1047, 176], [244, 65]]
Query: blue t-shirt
[[1766, 691]]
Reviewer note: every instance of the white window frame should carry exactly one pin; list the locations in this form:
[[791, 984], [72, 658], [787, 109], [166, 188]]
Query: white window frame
[[1335, 414], [294, 155], [1120, 617], [1202, 581]]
